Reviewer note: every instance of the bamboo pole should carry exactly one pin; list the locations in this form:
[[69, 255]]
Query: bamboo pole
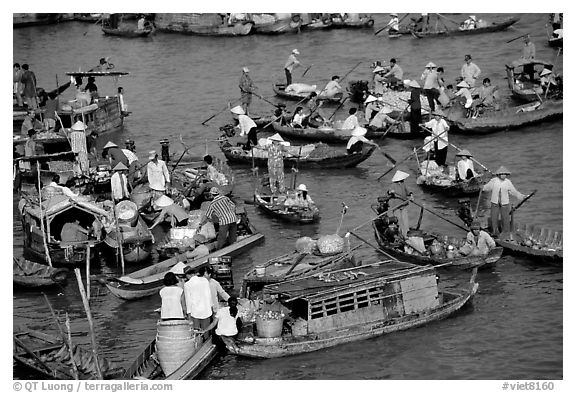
[[90, 323], [71, 348], [88, 270], [44, 240], [54, 315], [118, 237]]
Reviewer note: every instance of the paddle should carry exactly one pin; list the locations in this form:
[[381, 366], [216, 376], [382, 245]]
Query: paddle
[[373, 246], [306, 70], [265, 100], [522, 202], [389, 26], [517, 38], [433, 212], [222, 110], [296, 263], [181, 156], [339, 106]]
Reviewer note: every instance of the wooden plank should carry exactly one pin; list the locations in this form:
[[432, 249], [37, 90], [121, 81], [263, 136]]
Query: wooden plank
[[419, 294]]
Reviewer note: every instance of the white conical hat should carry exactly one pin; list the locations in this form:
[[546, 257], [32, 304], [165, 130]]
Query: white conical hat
[[430, 65], [359, 131], [163, 201], [237, 110], [414, 84], [79, 126], [109, 145], [296, 51], [276, 137], [178, 268], [472, 17], [120, 167], [378, 69], [370, 98], [399, 175], [245, 69], [545, 71], [463, 84], [302, 187], [386, 110]]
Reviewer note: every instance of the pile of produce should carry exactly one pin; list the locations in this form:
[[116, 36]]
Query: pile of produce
[[270, 315], [330, 244], [397, 100], [322, 150], [306, 245], [338, 276]]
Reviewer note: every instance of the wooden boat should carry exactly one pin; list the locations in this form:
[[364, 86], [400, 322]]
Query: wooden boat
[[28, 274], [348, 305], [536, 243], [397, 131], [56, 211], [128, 33], [148, 281], [521, 87], [556, 42], [280, 90], [137, 241], [364, 21], [491, 28], [322, 134], [397, 249], [31, 19], [91, 18], [278, 26], [447, 184], [319, 24], [147, 366], [206, 24], [274, 206], [304, 156], [506, 118], [50, 357]]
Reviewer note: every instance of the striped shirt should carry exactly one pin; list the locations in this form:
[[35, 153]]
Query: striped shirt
[[224, 209]]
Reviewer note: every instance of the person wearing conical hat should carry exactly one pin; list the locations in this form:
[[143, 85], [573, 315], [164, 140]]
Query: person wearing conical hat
[[157, 174], [393, 24], [276, 164], [469, 71], [246, 125], [291, 63], [431, 86], [78, 145], [379, 81], [381, 119], [465, 166], [134, 164], [246, 89], [478, 240], [501, 189], [168, 209], [548, 81], [114, 154], [119, 183], [399, 189], [357, 140], [415, 106], [464, 91], [439, 129], [469, 24], [371, 105], [302, 197]]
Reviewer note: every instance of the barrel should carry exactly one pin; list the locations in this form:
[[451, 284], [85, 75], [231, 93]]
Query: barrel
[[175, 344], [127, 213], [260, 271], [269, 327]]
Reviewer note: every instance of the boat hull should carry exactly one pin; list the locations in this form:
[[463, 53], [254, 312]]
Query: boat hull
[[126, 33], [457, 32], [457, 188], [299, 216]]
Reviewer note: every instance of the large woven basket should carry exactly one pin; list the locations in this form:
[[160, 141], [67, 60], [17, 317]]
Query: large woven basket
[[175, 344], [269, 328]]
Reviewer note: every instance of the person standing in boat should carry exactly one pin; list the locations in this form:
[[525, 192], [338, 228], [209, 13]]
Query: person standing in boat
[[216, 290], [173, 300], [133, 163], [478, 242], [246, 125], [114, 154], [246, 89], [157, 175], [198, 299], [431, 85], [291, 63], [439, 128], [29, 149], [50, 112], [223, 211], [28, 81], [501, 188], [400, 190], [119, 183], [78, 144], [465, 166], [18, 84], [528, 54], [123, 106], [469, 71], [276, 164], [415, 106], [357, 140], [141, 23]]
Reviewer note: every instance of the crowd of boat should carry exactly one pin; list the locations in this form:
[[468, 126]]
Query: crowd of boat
[[84, 207]]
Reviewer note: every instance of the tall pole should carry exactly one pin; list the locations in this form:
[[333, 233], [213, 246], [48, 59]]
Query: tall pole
[[44, 240]]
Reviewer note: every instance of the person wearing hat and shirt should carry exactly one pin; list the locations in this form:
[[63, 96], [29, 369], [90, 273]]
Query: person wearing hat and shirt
[[464, 91], [133, 168], [291, 63], [477, 239], [246, 125], [379, 80], [381, 119], [439, 129], [119, 183], [246, 89], [393, 24], [78, 144], [431, 85], [395, 75], [276, 164], [157, 175], [399, 189], [198, 299], [528, 54], [114, 154], [223, 211], [547, 81], [371, 106], [302, 197], [178, 216], [469, 24], [501, 188], [357, 140], [415, 106], [465, 166], [469, 71]]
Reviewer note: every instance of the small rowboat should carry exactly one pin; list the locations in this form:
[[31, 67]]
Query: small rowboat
[[50, 356], [451, 187], [494, 27], [34, 275], [278, 26], [294, 214], [332, 159], [280, 90], [540, 244], [365, 21], [128, 33]]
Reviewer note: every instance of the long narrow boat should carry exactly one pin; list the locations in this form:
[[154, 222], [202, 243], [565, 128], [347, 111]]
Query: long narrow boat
[[331, 159], [397, 131], [494, 27], [280, 90], [206, 24], [536, 243], [29, 274], [128, 33], [460, 262], [349, 305], [278, 26], [522, 88], [507, 118], [364, 21], [293, 214], [449, 186], [149, 281], [50, 357]]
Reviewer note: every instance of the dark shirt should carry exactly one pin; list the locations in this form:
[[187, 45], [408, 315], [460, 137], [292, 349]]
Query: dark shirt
[[117, 155], [415, 99]]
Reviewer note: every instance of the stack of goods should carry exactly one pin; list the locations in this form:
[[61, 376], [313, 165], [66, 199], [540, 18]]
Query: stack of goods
[[330, 244], [49, 135], [222, 267], [306, 245], [399, 100], [322, 150], [301, 88]]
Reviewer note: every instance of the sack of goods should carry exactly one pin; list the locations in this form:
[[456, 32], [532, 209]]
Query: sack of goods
[[330, 244], [298, 88], [306, 245], [208, 231], [127, 213]]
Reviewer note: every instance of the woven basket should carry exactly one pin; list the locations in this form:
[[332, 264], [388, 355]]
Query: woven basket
[[269, 328], [175, 343]]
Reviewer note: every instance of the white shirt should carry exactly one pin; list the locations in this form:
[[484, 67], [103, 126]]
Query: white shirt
[[141, 22], [226, 323], [130, 156], [119, 185], [246, 124], [291, 62], [157, 175], [463, 166], [215, 290], [464, 92], [438, 127], [65, 190], [198, 297], [355, 139], [350, 123], [298, 119], [501, 189], [470, 72], [171, 302]]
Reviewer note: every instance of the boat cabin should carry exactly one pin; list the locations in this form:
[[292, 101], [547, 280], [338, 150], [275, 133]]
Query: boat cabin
[[524, 78]]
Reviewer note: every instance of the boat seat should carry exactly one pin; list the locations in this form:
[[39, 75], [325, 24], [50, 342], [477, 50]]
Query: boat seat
[[130, 280]]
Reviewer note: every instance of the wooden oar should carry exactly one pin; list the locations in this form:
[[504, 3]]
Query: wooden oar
[[338, 108], [373, 246], [522, 202], [265, 100], [306, 70], [222, 110], [517, 38], [296, 263], [348, 73], [433, 212]]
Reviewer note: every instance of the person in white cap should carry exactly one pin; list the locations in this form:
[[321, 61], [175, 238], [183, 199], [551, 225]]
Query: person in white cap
[[178, 216], [372, 107], [379, 80], [246, 125], [78, 146], [400, 190], [382, 120], [501, 188], [291, 63], [302, 197], [395, 75], [469, 71], [465, 166], [134, 165], [464, 91], [393, 24], [157, 175], [357, 140], [469, 24], [276, 164], [439, 129], [223, 211], [119, 183], [246, 89], [415, 106], [431, 85]]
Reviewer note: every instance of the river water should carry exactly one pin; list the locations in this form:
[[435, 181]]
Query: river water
[[513, 330]]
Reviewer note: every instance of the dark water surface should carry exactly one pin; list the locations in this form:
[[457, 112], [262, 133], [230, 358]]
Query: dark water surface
[[513, 330]]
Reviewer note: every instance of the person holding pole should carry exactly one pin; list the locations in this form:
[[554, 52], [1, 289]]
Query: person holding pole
[[439, 128], [291, 63], [246, 88], [247, 126], [400, 190], [28, 79]]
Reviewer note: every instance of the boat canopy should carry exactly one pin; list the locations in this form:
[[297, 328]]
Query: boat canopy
[[59, 203], [523, 62]]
